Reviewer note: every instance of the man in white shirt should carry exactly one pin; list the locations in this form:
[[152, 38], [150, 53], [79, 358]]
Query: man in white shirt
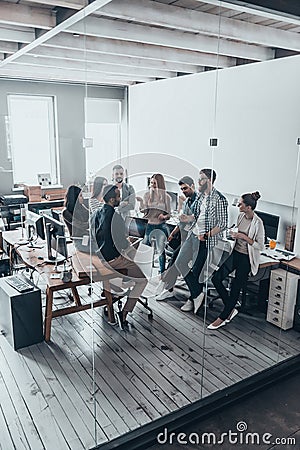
[[127, 191]]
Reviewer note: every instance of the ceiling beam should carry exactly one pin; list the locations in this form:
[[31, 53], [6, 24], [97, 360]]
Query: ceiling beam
[[30, 16], [118, 60], [33, 71], [26, 73], [73, 4], [12, 34], [82, 14], [124, 48], [137, 74], [245, 7], [113, 29], [8, 47], [158, 14]]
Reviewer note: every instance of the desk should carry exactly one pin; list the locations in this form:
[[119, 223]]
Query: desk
[[293, 264], [81, 272]]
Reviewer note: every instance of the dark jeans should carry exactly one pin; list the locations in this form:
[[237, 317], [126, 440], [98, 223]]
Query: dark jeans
[[159, 234], [241, 264], [192, 277], [170, 275]]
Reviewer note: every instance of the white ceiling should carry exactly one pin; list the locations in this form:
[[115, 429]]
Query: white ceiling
[[122, 42]]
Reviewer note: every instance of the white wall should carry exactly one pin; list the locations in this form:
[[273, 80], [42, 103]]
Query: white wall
[[257, 122]]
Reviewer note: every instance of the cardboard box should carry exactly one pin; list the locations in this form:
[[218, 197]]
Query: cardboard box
[[54, 194], [33, 193]]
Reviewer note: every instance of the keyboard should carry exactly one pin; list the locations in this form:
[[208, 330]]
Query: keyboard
[[19, 284], [278, 254], [285, 254]]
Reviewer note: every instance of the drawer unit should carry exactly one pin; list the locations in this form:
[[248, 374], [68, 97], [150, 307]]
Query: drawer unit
[[276, 317], [282, 298]]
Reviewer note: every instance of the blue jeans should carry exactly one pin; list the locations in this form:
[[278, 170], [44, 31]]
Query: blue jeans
[[158, 233]]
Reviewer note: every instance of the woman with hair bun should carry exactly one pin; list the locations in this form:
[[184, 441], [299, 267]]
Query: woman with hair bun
[[249, 242]]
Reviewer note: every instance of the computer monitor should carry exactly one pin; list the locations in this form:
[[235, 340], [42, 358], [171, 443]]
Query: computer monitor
[[271, 223], [34, 226], [56, 215], [50, 212], [56, 240], [136, 226]]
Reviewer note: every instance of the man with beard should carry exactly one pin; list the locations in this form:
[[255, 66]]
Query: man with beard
[[211, 216], [127, 192], [177, 237], [114, 248]]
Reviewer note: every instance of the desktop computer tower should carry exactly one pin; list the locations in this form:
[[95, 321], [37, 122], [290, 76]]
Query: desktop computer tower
[[20, 315], [297, 310], [4, 266]]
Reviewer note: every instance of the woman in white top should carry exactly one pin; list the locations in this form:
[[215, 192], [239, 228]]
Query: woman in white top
[[156, 207], [249, 241], [96, 200]]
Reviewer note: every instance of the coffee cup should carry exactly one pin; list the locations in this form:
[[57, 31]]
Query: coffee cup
[[234, 231]]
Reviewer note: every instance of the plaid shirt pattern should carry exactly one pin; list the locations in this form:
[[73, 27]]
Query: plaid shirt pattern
[[216, 214]]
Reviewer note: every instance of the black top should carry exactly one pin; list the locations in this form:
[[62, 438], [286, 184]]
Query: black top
[[110, 232], [78, 221]]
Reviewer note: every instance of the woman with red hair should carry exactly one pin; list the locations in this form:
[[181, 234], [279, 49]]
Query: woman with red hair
[[156, 207]]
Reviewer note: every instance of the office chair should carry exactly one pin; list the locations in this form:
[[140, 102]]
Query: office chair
[[118, 298]]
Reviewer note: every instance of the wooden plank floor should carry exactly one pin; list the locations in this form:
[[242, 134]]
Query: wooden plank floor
[[51, 393]]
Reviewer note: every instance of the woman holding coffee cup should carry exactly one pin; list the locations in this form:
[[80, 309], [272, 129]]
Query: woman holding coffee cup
[[249, 242]]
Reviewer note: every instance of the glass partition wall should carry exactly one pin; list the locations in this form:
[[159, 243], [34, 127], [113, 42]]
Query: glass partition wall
[[166, 358], [161, 139], [183, 351]]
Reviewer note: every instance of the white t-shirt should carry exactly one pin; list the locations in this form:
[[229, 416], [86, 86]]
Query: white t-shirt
[[199, 227]]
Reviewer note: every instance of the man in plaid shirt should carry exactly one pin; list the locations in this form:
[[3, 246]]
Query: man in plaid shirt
[[211, 217]]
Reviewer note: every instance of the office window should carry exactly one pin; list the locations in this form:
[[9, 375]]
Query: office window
[[33, 138]]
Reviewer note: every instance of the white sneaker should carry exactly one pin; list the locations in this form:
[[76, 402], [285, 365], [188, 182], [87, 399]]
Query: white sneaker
[[180, 282], [198, 302], [164, 296], [188, 306], [160, 288], [127, 284]]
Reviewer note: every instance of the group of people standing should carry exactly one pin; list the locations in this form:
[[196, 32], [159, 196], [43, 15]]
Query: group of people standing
[[202, 223]]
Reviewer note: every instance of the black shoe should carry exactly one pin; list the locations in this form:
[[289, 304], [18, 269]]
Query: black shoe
[[123, 324]]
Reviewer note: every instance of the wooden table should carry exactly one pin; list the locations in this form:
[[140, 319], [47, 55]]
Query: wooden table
[[85, 269], [293, 264]]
